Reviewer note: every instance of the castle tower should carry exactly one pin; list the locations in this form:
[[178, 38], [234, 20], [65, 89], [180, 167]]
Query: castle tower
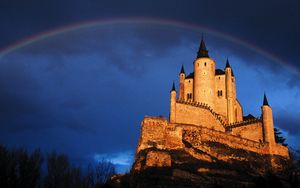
[[230, 93], [173, 104], [181, 83], [204, 77], [268, 125]]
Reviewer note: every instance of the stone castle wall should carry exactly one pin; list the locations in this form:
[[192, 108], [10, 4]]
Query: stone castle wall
[[188, 88], [160, 137], [157, 132], [197, 115], [220, 101], [251, 131], [239, 111]]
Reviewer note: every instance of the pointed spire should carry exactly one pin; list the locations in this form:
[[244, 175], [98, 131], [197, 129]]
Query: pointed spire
[[228, 66], [202, 52], [173, 87], [265, 103], [182, 70], [227, 63]]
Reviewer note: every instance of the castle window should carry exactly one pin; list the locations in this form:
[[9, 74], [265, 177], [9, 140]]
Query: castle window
[[220, 93], [189, 96], [205, 64]]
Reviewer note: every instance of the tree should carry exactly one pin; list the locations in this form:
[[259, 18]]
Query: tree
[[279, 138], [104, 170], [58, 167], [90, 176], [29, 168], [61, 174], [18, 168]]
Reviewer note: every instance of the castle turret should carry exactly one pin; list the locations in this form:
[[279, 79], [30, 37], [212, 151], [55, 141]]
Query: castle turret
[[268, 125], [173, 104], [230, 93], [181, 83], [204, 77]]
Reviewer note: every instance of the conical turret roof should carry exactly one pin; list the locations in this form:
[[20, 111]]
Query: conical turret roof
[[265, 103], [182, 70], [202, 52], [173, 87], [227, 64]]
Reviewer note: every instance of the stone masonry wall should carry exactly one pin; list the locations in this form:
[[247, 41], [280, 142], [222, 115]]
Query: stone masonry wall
[[205, 134], [220, 101], [239, 113], [188, 87], [252, 131], [152, 133], [188, 114], [156, 132]]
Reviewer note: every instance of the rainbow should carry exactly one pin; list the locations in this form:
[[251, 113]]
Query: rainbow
[[94, 23]]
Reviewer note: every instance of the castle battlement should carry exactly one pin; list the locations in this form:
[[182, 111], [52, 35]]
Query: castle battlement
[[243, 123]]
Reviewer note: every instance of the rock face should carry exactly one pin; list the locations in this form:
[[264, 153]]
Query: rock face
[[176, 155]]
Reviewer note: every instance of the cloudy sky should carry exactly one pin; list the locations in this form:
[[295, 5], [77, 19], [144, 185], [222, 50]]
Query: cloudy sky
[[79, 76]]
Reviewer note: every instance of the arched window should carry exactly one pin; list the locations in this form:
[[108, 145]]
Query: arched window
[[189, 96], [205, 64], [220, 93]]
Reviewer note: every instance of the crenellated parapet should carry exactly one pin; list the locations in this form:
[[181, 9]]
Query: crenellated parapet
[[231, 126]]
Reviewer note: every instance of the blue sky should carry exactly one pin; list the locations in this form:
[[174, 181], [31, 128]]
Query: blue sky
[[85, 92]]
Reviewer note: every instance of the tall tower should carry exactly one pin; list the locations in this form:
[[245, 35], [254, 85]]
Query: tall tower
[[173, 104], [181, 83], [230, 93], [268, 125], [204, 77]]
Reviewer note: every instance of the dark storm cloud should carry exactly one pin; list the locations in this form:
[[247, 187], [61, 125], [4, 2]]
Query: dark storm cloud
[[110, 44], [289, 123], [15, 82], [271, 25], [80, 93]]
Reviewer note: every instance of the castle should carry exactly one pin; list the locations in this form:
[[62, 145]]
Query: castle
[[215, 90], [207, 126]]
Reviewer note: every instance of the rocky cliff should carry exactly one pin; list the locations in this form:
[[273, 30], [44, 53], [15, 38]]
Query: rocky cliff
[[193, 156], [181, 155]]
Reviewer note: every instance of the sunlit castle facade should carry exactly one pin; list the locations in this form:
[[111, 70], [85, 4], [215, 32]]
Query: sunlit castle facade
[[212, 87], [207, 98], [206, 122]]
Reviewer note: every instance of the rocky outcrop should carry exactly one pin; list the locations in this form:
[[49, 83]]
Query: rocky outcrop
[[178, 155]]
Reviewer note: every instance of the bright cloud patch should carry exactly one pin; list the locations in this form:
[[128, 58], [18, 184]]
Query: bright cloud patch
[[122, 160]]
